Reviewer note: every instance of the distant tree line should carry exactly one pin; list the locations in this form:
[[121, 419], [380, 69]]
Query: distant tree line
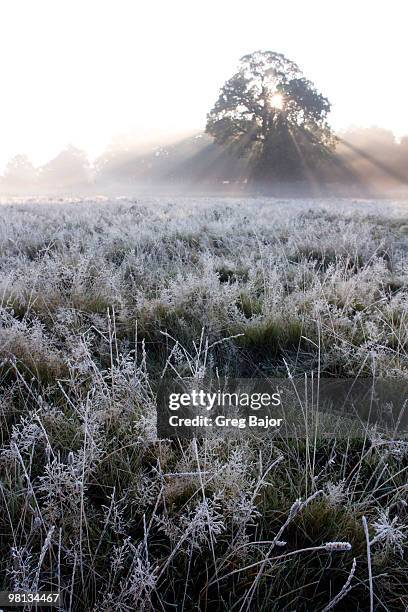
[[70, 169], [363, 155]]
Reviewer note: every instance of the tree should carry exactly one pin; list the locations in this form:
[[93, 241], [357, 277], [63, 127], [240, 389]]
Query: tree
[[68, 170], [271, 114], [20, 174]]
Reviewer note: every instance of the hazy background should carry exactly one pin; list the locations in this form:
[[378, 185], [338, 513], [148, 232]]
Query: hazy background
[[121, 81]]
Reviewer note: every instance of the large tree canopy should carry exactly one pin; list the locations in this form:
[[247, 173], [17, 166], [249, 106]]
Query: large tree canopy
[[269, 112]]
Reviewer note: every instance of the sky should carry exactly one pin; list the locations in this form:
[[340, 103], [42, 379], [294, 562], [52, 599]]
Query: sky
[[83, 72]]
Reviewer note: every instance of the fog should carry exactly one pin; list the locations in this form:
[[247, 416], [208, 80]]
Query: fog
[[366, 161], [152, 71]]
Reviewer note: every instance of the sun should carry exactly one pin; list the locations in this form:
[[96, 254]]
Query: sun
[[277, 101]]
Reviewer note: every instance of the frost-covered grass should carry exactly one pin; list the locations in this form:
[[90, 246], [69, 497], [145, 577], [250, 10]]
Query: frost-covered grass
[[97, 298]]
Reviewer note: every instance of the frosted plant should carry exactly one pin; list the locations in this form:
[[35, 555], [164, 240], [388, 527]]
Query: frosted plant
[[93, 436], [141, 583], [145, 490], [242, 510], [197, 527], [204, 523], [119, 555], [27, 343], [22, 572], [376, 438], [335, 493], [398, 449], [233, 477], [24, 436], [145, 427], [390, 533], [60, 489], [135, 590], [81, 360], [337, 546], [114, 515]]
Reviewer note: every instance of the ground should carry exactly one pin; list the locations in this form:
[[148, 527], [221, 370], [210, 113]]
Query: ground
[[99, 298]]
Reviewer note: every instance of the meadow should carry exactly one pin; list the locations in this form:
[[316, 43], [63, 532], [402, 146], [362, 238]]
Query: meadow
[[98, 298]]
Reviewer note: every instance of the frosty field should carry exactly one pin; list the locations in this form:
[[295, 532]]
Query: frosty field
[[98, 299]]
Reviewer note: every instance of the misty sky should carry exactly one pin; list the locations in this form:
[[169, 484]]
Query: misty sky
[[83, 71]]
